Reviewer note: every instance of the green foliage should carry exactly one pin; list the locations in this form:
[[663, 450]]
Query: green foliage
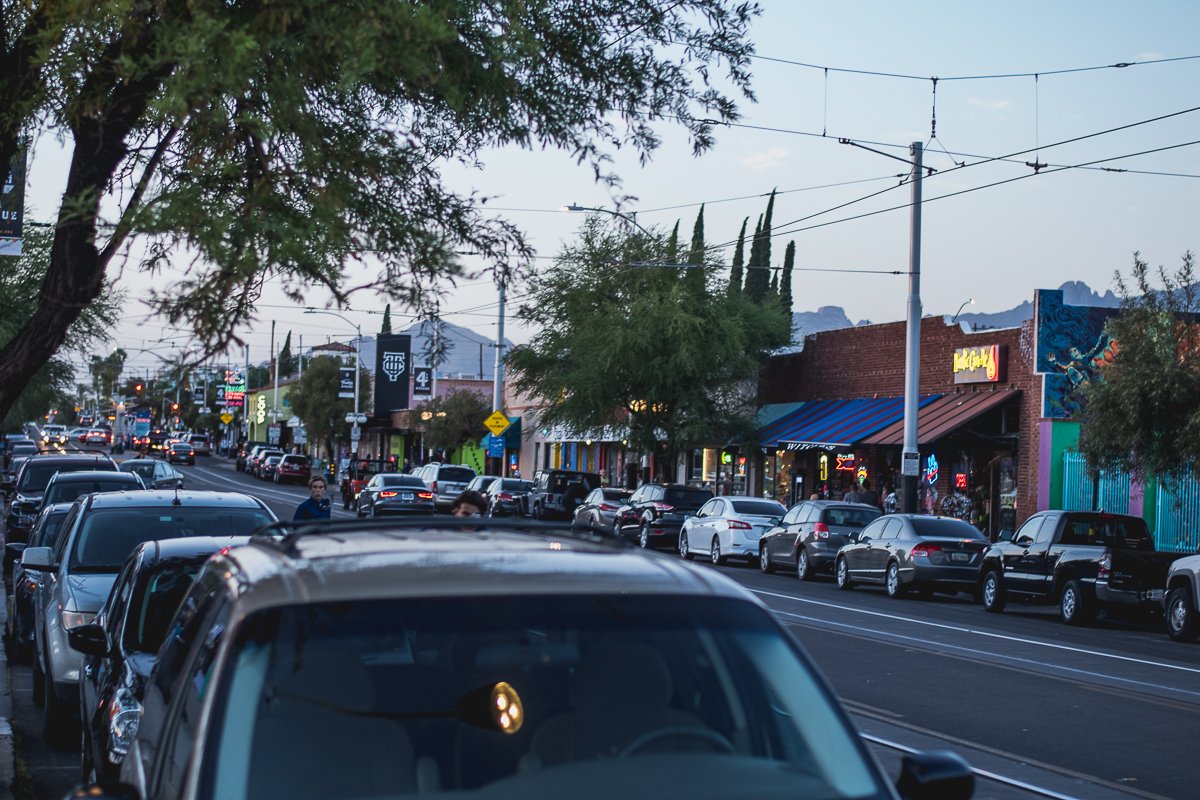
[[314, 399], [386, 327], [289, 363], [697, 279], [633, 346], [739, 261], [454, 419], [1143, 416], [106, 372], [785, 282]]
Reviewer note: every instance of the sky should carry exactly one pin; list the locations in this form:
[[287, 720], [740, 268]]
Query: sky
[[996, 244]]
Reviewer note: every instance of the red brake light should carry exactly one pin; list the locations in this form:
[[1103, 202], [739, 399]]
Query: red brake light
[[1105, 566], [931, 551], [425, 495], [663, 507], [387, 494], [738, 525], [821, 530], [433, 486], [503, 496]]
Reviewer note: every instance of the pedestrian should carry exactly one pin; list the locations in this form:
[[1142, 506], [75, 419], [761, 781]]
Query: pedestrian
[[317, 505], [469, 503], [815, 496], [866, 495]]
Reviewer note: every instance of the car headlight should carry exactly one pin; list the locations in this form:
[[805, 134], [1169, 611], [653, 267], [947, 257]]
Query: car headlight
[[73, 619], [124, 716]]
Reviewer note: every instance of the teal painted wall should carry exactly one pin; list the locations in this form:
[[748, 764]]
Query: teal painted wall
[[1064, 436]]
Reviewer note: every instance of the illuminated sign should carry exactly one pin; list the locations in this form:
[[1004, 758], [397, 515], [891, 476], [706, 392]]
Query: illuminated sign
[[861, 474], [980, 364], [845, 462], [960, 480], [931, 470], [823, 467], [260, 408], [235, 389]]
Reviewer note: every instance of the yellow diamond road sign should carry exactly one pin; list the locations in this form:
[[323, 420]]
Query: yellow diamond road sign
[[227, 418], [496, 423]]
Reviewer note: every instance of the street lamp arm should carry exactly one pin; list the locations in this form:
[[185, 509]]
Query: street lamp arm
[[627, 217]]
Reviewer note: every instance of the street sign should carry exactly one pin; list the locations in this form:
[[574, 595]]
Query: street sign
[[227, 418], [355, 434], [495, 447], [911, 465], [496, 423], [361, 418]]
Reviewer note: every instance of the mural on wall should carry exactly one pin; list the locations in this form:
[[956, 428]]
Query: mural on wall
[[1072, 346]]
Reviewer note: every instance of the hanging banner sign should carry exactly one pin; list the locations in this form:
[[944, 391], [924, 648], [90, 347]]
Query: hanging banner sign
[[346, 383], [235, 389], [393, 367], [12, 206], [422, 381], [220, 401]]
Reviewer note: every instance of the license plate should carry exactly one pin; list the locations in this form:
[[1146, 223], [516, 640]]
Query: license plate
[[406, 496], [960, 556], [1155, 594]]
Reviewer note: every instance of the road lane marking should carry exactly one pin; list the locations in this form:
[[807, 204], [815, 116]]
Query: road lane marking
[[977, 632]]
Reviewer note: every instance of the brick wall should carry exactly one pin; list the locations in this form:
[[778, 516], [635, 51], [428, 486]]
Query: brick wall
[[868, 361]]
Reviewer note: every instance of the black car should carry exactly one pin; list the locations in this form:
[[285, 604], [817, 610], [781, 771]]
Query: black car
[[243, 452], [19, 626], [600, 508], [660, 510], [154, 473], [181, 453], [557, 493], [31, 481], [508, 497], [66, 486], [121, 645], [390, 493]]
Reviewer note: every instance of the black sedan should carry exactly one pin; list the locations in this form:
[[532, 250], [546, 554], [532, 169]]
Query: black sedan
[[654, 513], [390, 493], [600, 507], [154, 473], [121, 645], [181, 453], [913, 551], [508, 497]]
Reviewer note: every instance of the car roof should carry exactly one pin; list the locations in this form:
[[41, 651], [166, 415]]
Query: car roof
[[185, 547], [94, 474], [846, 503], [352, 561], [161, 498]]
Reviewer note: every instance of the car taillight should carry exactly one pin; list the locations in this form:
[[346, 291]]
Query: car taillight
[[663, 507], [931, 551], [821, 530], [1105, 567], [504, 496], [433, 486], [427, 495], [607, 507], [738, 525], [387, 494]]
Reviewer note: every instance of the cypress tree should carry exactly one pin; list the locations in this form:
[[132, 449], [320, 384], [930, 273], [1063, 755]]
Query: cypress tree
[[785, 282], [696, 277], [774, 292], [287, 362], [673, 245], [739, 261], [756, 274], [386, 327]]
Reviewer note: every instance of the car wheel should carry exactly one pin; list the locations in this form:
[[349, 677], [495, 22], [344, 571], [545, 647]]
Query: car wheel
[[764, 560], [684, 552], [714, 552], [895, 588], [992, 593], [644, 535], [841, 571], [1073, 606], [617, 531], [804, 570], [1183, 623], [359, 510]]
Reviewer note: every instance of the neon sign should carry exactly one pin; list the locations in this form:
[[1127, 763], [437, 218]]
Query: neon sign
[[845, 462], [861, 474], [979, 364], [823, 467], [960, 480], [931, 470]]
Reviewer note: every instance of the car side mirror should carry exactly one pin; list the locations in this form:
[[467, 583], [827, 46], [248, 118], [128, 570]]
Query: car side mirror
[[88, 639], [935, 775], [107, 791], [41, 558]]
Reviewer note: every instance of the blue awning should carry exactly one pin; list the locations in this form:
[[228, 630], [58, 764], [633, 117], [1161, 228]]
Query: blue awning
[[835, 423], [511, 435]]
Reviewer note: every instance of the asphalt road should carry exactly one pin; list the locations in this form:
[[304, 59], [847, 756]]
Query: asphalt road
[[1109, 711]]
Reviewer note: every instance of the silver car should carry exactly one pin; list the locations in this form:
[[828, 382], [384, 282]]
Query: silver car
[[811, 533], [913, 551]]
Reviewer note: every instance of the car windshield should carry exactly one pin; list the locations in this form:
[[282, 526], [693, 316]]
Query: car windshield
[[299, 461], [941, 526], [145, 469], [758, 508], [108, 536], [1128, 532], [561, 481], [154, 602], [180, 447], [67, 491], [514, 696], [36, 476], [687, 498], [857, 518], [402, 480], [512, 485], [616, 494], [455, 474]]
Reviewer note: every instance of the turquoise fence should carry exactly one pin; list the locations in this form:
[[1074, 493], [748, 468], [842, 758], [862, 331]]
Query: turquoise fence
[[1113, 494]]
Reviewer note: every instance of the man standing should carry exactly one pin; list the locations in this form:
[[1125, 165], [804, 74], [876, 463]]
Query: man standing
[[317, 505]]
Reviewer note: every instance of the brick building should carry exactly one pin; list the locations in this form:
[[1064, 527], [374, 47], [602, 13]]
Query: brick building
[[834, 412]]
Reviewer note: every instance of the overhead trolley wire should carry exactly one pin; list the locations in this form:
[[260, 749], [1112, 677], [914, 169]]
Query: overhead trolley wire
[[1031, 74]]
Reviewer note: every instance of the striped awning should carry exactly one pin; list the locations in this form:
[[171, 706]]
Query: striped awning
[[835, 423], [943, 417]]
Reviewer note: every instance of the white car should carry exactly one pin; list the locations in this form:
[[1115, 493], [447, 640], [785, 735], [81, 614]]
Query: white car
[[1182, 600], [729, 527]]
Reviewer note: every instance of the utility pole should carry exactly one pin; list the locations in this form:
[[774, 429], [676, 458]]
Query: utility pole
[[300, 354], [911, 458], [498, 377]]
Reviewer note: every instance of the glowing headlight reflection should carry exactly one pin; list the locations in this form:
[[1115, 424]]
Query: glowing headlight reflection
[[507, 710]]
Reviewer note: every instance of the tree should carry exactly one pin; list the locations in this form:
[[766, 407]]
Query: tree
[[451, 421], [1143, 415], [288, 362], [386, 327], [697, 277], [757, 275], [292, 137], [785, 282], [314, 400], [739, 261], [668, 361], [106, 372]]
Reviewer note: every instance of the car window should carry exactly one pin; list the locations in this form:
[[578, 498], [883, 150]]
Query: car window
[[616, 495], [708, 509], [594, 498], [44, 535], [688, 498], [638, 496], [456, 474], [512, 485], [1046, 532], [154, 602], [944, 526], [1028, 532], [891, 528], [35, 476], [795, 513], [849, 517], [400, 480], [68, 525], [67, 491], [875, 529], [760, 508], [107, 536], [1102, 529]]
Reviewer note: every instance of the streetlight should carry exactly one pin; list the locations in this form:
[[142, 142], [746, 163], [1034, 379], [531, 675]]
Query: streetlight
[[627, 217], [354, 436], [970, 301]]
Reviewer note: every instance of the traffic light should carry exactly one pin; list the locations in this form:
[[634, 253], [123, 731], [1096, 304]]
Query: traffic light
[[174, 407], [137, 388]]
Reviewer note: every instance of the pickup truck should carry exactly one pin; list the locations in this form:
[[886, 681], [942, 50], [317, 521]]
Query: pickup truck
[[1182, 603], [1083, 560]]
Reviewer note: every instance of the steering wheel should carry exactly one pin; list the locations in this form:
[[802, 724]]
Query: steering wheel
[[710, 736]]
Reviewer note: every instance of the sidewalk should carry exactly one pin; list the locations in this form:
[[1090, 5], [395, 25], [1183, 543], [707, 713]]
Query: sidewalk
[[8, 766]]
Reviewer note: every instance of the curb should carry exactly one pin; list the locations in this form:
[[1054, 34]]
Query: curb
[[8, 763]]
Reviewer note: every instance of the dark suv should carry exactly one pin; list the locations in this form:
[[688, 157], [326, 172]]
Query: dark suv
[[31, 481], [660, 510], [810, 534], [557, 493]]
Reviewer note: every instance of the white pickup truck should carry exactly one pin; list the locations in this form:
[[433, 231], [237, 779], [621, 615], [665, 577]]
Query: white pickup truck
[[1182, 600]]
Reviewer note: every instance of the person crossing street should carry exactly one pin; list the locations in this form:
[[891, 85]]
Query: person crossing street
[[317, 505]]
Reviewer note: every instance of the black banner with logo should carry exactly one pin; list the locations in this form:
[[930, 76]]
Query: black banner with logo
[[422, 381], [346, 383], [12, 204], [393, 365]]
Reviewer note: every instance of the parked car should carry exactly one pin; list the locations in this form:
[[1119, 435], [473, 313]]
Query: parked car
[[446, 481], [157, 439], [1181, 603], [255, 465], [121, 645], [20, 449], [508, 497], [19, 625], [600, 507], [154, 473], [726, 527], [913, 551], [393, 493], [293, 468], [557, 493], [100, 532], [811, 533], [655, 513], [245, 449], [1083, 560], [10, 476], [31, 481], [181, 453], [266, 470], [64, 487], [480, 483], [200, 444], [330, 665]]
